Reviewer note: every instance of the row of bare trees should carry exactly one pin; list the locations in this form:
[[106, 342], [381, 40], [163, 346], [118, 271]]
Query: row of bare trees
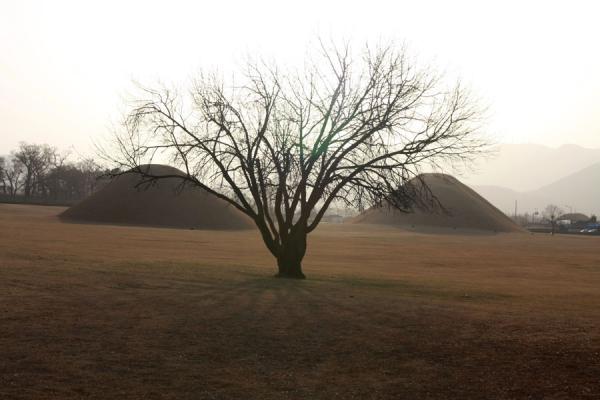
[[39, 172]]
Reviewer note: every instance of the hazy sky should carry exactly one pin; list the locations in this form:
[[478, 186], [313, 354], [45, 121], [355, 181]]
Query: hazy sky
[[65, 65]]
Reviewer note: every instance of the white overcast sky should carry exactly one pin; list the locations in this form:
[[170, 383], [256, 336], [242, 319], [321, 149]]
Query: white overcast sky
[[65, 65]]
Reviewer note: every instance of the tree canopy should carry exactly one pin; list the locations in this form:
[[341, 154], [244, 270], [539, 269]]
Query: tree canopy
[[282, 145]]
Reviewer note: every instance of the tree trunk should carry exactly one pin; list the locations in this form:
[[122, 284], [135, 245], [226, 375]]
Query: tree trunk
[[289, 259]]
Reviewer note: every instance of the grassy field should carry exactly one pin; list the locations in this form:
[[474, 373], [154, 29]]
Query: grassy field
[[113, 312]]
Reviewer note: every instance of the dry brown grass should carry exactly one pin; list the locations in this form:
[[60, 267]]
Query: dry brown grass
[[99, 311]]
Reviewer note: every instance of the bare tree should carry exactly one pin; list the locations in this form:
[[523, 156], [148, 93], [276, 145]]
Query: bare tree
[[12, 176], [37, 161], [551, 213], [2, 177], [91, 171], [282, 146], [69, 181], [47, 174]]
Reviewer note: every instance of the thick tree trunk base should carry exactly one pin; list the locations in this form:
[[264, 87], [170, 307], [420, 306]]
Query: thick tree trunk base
[[291, 275], [289, 258], [289, 268]]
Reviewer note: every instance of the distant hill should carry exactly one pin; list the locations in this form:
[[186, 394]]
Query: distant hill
[[579, 191], [527, 167], [505, 198]]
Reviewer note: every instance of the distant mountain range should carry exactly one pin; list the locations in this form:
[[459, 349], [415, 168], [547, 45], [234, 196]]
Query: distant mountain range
[[528, 167], [579, 191]]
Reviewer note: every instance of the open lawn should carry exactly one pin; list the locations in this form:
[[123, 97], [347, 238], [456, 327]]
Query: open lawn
[[114, 312]]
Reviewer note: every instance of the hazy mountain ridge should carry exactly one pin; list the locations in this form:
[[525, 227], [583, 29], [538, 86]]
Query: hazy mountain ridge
[[579, 191], [529, 167]]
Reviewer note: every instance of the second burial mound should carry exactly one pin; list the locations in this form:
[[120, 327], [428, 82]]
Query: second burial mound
[[162, 203], [463, 209]]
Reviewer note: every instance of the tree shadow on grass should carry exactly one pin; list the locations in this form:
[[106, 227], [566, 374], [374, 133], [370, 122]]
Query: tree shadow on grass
[[180, 329]]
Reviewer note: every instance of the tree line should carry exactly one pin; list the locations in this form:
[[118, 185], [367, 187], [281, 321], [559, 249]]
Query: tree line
[[42, 173]]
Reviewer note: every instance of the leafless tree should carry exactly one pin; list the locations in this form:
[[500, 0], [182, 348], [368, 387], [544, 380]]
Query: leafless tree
[[46, 174], [37, 161], [72, 181], [283, 145], [12, 176], [551, 213], [91, 171], [2, 177]]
